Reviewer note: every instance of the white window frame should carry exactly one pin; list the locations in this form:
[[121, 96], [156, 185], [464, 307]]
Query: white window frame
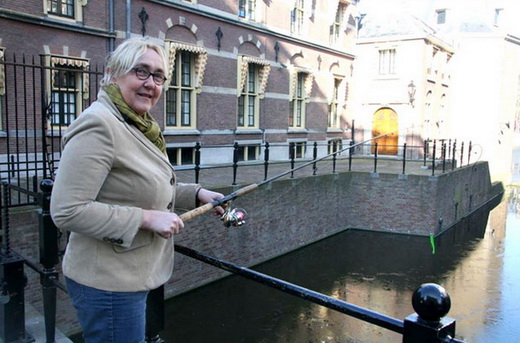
[[198, 59], [300, 89], [250, 92], [247, 9], [183, 92], [73, 95], [333, 115], [76, 16], [441, 16], [177, 155], [330, 146], [335, 27], [297, 15], [300, 149], [248, 109], [249, 151], [387, 61]]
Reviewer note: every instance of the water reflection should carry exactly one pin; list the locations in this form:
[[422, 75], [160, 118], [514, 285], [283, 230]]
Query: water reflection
[[474, 262]]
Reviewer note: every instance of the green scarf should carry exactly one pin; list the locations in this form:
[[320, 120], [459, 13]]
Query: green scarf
[[145, 123]]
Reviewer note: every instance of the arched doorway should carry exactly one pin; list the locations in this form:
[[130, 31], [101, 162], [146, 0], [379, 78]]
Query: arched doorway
[[385, 121]]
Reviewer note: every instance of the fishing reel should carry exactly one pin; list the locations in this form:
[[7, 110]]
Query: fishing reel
[[234, 217]]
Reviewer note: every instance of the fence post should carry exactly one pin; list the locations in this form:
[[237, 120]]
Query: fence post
[[434, 156], [443, 152], [350, 152], [235, 163], [462, 153], [428, 324], [353, 134], [375, 157], [197, 162], [13, 281], [469, 152], [291, 157], [404, 157], [453, 157], [425, 151], [314, 157], [49, 257], [266, 159], [334, 157]]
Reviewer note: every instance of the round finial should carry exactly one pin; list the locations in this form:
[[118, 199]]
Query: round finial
[[431, 302], [46, 185]]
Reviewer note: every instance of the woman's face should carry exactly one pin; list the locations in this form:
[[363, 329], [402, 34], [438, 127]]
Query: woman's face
[[142, 95]]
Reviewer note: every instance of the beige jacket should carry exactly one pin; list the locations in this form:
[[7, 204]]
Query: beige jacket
[[109, 172]]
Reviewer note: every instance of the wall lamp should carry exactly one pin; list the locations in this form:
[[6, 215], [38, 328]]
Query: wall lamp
[[411, 92]]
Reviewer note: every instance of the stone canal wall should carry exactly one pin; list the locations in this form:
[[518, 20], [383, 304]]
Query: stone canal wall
[[288, 214]]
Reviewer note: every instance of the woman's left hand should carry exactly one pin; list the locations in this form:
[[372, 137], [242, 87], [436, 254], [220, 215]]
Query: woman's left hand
[[205, 196]]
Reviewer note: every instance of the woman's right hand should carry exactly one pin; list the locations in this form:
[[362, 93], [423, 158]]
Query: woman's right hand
[[165, 224]]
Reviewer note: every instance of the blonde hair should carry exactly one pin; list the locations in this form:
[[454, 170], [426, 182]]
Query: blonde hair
[[125, 57]]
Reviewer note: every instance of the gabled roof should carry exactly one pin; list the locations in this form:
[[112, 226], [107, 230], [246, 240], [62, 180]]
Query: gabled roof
[[393, 24]]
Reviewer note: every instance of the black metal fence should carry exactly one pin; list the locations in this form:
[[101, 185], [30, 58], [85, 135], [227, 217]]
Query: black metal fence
[[41, 95]]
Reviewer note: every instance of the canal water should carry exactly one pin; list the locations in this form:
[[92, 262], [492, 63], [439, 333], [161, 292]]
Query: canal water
[[476, 262]]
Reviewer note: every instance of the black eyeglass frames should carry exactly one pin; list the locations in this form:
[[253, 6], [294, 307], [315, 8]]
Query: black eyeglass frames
[[143, 74]]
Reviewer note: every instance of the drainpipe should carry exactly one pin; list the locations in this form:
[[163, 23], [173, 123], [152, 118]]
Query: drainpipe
[[111, 40], [128, 17]]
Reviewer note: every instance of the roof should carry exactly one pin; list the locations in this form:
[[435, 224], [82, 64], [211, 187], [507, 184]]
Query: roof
[[393, 24]]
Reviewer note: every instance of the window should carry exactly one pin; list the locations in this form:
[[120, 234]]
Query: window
[[333, 116], [187, 65], [248, 152], [248, 102], [335, 28], [63, 97], [297, 150], [246, 9], [441, 16], [66, 9], [300, 88], [387, 62], [334, 145], [252, 79], [297, 17], [181, 156], [180, 96], [498, 16], [63, 8], [67, 83]]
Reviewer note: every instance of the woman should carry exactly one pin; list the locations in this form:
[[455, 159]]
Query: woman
[[115, 191]]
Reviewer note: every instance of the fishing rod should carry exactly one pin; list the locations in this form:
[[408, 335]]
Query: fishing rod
[[235, 217]]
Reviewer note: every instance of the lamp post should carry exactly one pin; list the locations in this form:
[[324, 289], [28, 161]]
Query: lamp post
[[411, 92]]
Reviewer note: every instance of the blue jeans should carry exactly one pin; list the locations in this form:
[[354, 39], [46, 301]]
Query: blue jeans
[[109, 317]]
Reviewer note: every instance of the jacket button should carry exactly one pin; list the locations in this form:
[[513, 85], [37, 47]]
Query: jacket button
[[170, 205], [172, 181], [119, 241]]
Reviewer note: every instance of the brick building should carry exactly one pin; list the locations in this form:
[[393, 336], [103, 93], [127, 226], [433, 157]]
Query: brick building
[[245, 72]]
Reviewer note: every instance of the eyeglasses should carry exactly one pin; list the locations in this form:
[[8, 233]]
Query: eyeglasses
[[143, 74]]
